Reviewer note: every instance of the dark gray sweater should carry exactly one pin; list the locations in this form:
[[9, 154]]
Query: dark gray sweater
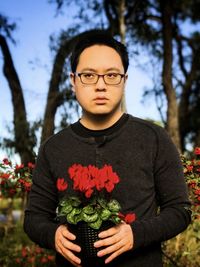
[[151, 177]]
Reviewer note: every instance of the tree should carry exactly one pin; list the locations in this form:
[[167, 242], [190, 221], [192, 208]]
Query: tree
[[24, 135], [159, 27], [23, 143]]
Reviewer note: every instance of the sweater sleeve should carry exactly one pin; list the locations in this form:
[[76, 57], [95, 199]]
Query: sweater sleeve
[[39, 221], [171, 193]]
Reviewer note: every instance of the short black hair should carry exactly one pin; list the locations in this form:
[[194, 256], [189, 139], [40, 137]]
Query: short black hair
[[97, 37]]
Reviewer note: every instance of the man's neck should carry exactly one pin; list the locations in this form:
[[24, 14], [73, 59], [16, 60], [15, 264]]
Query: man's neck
[[99, 122]]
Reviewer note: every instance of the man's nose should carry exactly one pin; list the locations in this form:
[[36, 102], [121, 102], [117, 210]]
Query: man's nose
[[100, 85]]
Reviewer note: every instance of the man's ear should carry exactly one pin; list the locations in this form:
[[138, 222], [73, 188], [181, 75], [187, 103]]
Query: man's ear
[[72, 81]]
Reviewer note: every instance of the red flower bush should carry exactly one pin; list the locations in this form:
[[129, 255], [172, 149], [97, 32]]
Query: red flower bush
[[34, 256], [14, 179], [192, 176]]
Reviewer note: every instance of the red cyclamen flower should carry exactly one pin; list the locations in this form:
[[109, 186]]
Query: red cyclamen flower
[[130, 217], [61, 184], [197, 151]]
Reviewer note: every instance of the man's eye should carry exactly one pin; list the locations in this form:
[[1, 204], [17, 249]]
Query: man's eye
[[112, 75], [88, 75]]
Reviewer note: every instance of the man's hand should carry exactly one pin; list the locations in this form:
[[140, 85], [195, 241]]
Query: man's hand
[[117, 240], [64, 245]]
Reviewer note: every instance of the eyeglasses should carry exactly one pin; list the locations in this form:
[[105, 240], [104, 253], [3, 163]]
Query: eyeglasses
[[92, 78]]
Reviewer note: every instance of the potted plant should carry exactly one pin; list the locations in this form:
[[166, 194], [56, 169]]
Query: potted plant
[[91, 209]]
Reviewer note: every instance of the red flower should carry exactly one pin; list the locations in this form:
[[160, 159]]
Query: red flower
[[12, 191], [89, 192], [27, 186], [130, 217], [18, 260], [6, 161], [109, 186], [197, 192], [38, 250], [31, 165], [17, 167], [73, 170], [43, 260], [190, 168], [192, 184], [197, 151], [31, 259], [87, 178], [61, 184], [50, 257], [24, 252], [4, 175]]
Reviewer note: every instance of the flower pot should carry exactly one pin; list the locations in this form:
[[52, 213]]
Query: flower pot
[[85, 238]]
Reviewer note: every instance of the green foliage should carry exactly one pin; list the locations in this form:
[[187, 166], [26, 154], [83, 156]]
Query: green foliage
[[184, 249], [94, 212]]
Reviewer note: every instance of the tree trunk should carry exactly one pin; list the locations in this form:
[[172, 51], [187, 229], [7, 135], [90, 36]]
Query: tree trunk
[[122, 33], [22, 142], [172, 106]]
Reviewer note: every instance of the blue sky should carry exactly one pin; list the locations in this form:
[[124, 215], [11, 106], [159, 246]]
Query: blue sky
[[36, 21]]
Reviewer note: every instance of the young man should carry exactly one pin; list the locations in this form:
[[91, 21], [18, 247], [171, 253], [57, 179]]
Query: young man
[[141, 153]]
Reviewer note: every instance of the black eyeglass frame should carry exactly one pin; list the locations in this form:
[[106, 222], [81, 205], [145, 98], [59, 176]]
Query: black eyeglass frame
[[79, 74]]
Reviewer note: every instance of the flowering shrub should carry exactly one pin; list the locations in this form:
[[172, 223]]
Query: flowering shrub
[[15, 179], [93, 205], [192, 176], [34, 256]]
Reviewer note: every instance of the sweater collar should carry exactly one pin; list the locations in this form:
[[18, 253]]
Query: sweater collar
[[98, 136]]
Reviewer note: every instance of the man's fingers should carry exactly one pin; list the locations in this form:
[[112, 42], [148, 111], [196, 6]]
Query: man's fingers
[[110, 249], [111, 231], [114, 255], [66, 233], [65, 246], [69, 245], [108, 241], [71, 257]]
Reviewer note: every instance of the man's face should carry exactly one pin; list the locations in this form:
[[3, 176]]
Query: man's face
[[99, 98]]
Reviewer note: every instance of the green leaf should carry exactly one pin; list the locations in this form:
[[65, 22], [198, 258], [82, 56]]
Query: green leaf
[[115, 220], [114, 205], [64, 210], [71, 218], [102, 202], [90, 218], [75, 201], [65, 202], [96, 224], [88, 209], [76, 211], [105, 214]]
